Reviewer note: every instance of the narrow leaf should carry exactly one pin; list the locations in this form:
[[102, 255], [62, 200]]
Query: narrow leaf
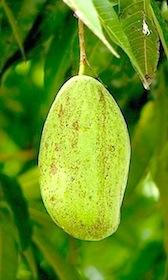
[[8, 251], [14, 196], [140, 29], [160, 25], [30, 258], [29, 183], [112, 25], [151, 133], [88, 14], [143, 145], [161, 179], [53, 257], [59, 52], [14, 26], [110, 22]]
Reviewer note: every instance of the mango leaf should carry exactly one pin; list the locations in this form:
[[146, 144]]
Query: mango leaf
[[136, 35], [14, 26], [151, 258], [160, 174], [30, 258], [29, 183], [14, 197], [8, 251], [112, 25], [59, 52], [110, 22], [159, 170], [54, 258], [88, 14], [140, 29], [151, 133], [160, 25], [143, 145], [28, 18]]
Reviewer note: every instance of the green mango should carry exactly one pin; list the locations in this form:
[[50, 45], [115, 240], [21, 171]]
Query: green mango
[[84, 160]]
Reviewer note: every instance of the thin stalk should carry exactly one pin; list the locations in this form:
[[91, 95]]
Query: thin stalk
[[82, 63]]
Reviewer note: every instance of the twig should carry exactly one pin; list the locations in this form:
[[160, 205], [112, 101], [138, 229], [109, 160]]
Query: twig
[[82, 48]]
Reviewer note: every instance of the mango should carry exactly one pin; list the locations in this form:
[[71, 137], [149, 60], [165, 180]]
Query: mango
[[84, 160]]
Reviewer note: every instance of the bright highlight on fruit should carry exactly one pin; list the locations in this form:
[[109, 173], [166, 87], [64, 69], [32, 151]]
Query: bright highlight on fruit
[[84, 160]]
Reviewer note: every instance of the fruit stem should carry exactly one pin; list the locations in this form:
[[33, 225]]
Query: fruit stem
[[82, 48]]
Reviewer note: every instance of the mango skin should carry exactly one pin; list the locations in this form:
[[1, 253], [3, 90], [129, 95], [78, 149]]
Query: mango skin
[[84, 160]]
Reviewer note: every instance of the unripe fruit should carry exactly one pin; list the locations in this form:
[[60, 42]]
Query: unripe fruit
[[84, 159]]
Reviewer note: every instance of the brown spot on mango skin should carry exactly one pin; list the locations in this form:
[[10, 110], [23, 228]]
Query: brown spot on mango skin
[[74, 143], [46, 145], [75, 125], [53, 168], [57, 148], [112, 148], [52, 199], [61, 111]]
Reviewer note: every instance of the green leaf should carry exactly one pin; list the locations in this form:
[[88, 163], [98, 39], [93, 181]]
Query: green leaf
[[160, 25], [88, 14], [112, 25], [151, 259], [29, 20], [110, 22], [59, 51], [14, 26], [14, 196], [143, 145], [30, 258], [30, 184], [136, 35], [151, 133], [160, 175], [140, 29], [53, 257], [8, 251]]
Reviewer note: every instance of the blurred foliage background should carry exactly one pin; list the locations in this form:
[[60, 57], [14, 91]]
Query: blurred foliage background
[[39, 51]]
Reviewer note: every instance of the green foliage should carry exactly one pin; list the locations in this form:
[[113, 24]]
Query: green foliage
[[9, 252], [45, 33], [140, 29], [89, 16], [14, 197], [160, 25]]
